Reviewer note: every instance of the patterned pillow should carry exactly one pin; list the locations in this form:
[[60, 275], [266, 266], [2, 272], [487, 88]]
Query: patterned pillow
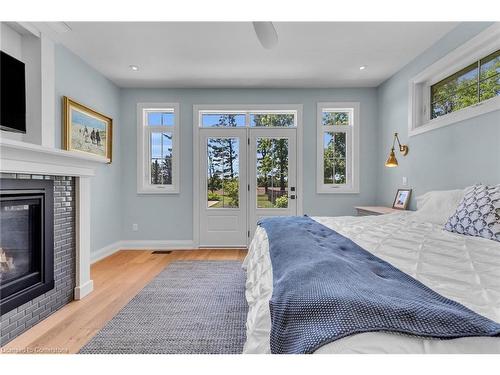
[[478, 214]]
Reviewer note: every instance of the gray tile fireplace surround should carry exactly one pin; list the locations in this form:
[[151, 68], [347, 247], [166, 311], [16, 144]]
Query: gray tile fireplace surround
[[17, 321]]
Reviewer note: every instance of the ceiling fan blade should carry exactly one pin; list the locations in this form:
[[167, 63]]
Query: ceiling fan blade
[[266, 33]]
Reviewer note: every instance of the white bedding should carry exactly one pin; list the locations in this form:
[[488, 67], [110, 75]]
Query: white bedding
[[464, 269]]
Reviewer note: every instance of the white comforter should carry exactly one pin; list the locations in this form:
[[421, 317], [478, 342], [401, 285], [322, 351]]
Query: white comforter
[[462, 268]]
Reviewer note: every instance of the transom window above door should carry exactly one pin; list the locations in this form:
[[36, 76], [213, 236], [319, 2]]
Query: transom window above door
[[248, 118], [157, 148]]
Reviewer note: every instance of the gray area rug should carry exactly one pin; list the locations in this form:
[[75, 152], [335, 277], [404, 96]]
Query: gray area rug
[[191, 307]]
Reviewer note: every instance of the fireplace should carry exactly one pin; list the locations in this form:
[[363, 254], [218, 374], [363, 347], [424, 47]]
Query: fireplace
[[26, 241]]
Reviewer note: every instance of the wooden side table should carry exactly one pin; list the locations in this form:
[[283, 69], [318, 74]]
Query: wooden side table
[[375, 210]]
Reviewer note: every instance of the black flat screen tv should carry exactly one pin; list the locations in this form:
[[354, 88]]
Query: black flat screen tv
[[12, 94]]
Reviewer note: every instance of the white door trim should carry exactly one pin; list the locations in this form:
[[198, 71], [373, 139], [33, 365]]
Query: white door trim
[[241, 107]]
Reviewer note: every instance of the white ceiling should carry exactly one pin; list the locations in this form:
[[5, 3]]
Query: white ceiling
[[228, 54]]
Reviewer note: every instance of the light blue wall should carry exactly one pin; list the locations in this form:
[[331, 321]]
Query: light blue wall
[[77, 80], [455, 156], [170, 217], [450, 157]]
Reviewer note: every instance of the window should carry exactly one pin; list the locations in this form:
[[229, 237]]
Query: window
[[225, 120], [241, 119], [476, 83], [337, 148], [157, 148], [282, 120], [463, 84]]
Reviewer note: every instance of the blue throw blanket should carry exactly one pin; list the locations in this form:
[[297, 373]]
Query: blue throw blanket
[[326, 287]]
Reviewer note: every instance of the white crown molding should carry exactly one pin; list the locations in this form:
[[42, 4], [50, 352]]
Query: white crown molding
[[25, 28], [23, 157]]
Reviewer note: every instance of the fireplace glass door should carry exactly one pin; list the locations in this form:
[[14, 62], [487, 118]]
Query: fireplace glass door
[[26, 241], [20, 239]]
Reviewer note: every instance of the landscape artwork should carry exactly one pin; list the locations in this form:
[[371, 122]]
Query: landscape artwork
[[86, 130]]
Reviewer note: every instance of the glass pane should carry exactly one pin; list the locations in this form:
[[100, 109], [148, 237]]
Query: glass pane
[[212, 120], [161, 158], [461, 98], [20, 222], [272, 173], [158, 118], [223, 185], [489, 88], [455, 92], [272, 119], [334, 158], [490, 65], [335, 118]]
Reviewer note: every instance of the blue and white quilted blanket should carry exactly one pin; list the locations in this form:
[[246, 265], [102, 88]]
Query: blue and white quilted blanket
[[326, 287]]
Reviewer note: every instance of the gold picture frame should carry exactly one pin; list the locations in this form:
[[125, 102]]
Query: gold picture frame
[[86, 130]]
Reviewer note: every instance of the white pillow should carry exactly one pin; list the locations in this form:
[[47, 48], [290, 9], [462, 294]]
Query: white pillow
[[437, 206]]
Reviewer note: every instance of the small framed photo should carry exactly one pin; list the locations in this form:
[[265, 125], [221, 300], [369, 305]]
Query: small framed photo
[[86, 130], [402, 199]]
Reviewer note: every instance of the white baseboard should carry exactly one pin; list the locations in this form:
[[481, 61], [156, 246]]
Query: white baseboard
[[105, 251], [157, 244], [82, 290], [140, 245]]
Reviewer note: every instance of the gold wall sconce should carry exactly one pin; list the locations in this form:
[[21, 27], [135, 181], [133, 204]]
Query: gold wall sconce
[[391, 160]]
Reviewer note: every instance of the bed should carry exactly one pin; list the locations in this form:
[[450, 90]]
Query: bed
[[462, 268]]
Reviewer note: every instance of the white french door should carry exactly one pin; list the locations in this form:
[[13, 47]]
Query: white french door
[[245, 174], [272, 169], [223, 187]]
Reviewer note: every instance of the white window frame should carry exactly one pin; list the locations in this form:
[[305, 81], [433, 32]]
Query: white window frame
[[352, 152], [419, 120], [144, 132]]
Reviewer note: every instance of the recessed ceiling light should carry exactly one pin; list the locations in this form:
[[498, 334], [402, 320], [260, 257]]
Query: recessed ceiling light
[[362, 67], [135, 68]]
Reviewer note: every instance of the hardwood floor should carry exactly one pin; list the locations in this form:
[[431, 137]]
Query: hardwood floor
[[117, 279]]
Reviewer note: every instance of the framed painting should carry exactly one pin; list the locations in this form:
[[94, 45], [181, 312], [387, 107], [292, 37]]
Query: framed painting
[[402, 199], [86, 130]]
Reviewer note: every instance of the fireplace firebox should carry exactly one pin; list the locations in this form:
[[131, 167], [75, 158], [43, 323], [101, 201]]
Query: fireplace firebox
[[26, 241]]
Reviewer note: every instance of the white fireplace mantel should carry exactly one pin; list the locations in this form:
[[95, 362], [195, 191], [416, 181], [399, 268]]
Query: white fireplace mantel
[[27, 158], [23, 157]]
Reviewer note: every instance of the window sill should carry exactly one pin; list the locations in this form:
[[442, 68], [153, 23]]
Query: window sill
[[479, 109], [337, 190], [157, 191]]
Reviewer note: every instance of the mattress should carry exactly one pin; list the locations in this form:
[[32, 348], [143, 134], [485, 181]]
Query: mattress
[[462, 268]]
